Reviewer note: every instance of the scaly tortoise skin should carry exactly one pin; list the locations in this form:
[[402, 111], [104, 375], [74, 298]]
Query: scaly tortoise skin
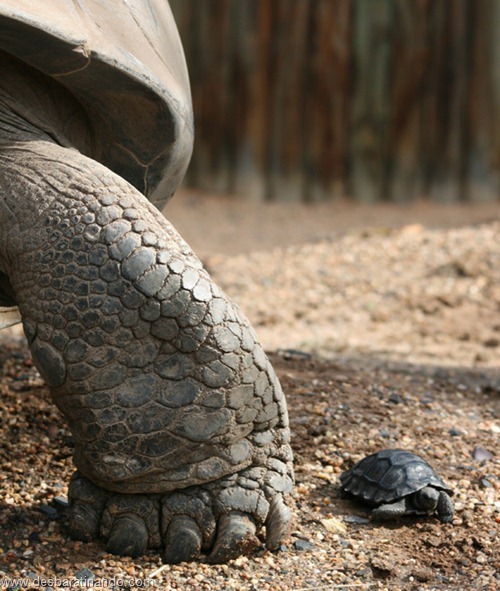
[[397, 483], [179, 421]]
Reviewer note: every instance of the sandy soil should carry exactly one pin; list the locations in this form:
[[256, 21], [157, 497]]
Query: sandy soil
[[384, 326]]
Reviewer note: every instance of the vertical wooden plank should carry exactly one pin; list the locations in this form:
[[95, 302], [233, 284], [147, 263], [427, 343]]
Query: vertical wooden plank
[[289, 55], [372, 63], [220, 105], [410, 64], [481, 182], [251, 33], [445, 100], [495, 93], [327, 100], [204, 29]]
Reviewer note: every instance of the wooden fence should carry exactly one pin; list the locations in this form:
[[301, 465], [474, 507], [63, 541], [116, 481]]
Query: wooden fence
[[370, 99]]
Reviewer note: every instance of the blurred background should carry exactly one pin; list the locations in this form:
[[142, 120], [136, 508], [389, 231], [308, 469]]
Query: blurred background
[[370, 100]]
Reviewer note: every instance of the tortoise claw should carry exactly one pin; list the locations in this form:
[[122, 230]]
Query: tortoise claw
[[277, 523], [128, 536], [87, 502], [84, 523], [236, 536], [182, 541]]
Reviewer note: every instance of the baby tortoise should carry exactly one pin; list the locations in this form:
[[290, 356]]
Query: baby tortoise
[[397, 482]]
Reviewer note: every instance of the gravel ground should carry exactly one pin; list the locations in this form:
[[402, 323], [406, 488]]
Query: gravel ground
[[384, 335]]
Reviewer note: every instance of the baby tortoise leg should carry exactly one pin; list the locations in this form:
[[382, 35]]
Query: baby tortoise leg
[[445, 509]]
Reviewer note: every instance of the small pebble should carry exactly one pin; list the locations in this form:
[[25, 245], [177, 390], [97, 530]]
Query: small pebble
[[485, 483], [480, 454], [84, 574], [302, 545], [356, 519], [334, 525], [61, 501], [49, 512]]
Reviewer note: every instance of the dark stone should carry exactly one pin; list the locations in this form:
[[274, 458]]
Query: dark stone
[[84, 574], [481, 454], [356, 519], [302, 545], [49, 512]]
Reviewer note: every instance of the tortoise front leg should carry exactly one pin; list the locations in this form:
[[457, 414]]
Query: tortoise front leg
[[177, 415], [445, 510]]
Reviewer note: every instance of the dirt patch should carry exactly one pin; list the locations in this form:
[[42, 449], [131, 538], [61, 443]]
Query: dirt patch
[[383, 337]]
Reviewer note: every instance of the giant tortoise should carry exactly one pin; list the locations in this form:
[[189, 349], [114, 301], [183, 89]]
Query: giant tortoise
[[179, 422]]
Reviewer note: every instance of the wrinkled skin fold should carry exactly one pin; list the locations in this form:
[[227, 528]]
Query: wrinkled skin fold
[[179, 421]]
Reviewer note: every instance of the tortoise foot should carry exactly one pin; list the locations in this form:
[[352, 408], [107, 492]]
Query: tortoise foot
[[220, 519]]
